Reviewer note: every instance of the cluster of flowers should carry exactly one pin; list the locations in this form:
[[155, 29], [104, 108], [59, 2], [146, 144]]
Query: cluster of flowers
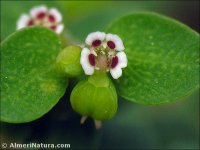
[[41, 16], [102, 52]]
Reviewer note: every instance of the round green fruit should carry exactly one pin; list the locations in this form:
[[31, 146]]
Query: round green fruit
[[68, 61], [95, 97]]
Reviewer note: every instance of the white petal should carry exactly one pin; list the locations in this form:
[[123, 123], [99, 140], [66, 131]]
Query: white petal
[[54, 12], [59, 28], [84, 53], [122, 59], [22, 21], [95, 36], [35, 10], [119, 46], [116, 72], [88, 69]]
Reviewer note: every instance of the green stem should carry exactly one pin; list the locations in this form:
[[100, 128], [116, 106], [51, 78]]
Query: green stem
[[99, 79]]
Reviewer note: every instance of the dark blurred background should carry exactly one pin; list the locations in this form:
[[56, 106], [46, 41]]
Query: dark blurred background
[[169, 126]]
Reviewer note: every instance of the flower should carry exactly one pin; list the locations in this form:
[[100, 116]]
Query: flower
[[40, 15], [103, 52]]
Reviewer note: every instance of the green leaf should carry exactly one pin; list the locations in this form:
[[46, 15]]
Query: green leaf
[[163, 58], [30, 87]]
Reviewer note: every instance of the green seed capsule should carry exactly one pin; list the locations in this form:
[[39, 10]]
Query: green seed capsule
[[68, 61], [95, 97]]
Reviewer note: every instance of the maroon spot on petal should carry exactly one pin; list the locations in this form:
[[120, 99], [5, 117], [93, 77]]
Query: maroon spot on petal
[[40, 15], [111, 44], [96, 43], [52, 18], [114, 62], [53, 27], [91, 58], [30, 23]]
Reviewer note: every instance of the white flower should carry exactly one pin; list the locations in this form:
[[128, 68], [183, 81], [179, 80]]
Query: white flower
[[41, 16], [114, 42], [95, 38], [105, 53]]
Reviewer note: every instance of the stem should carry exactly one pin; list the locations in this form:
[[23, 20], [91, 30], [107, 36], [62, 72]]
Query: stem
[[99, 79]]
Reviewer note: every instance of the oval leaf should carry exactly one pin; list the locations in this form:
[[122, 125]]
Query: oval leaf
[[163, 58], [29, 85]]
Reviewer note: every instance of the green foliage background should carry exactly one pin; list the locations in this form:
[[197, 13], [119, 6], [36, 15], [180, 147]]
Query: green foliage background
[[174, 125]]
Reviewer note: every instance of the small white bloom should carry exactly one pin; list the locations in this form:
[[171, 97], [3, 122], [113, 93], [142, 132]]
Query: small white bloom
[[85, 62], [108, 57], [23, 21], [95, 36], [41, 16], [115, 42]]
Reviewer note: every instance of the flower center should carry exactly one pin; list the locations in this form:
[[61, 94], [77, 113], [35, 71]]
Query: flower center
[[102, 62], [45, 20], [91, 58], [114, 62], [106, 57]]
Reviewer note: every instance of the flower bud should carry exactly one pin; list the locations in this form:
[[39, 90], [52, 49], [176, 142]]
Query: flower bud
[[95, 97], [68, 61]]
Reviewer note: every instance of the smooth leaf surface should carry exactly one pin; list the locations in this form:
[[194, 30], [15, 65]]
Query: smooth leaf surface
[[163, 58], [30, 87]]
